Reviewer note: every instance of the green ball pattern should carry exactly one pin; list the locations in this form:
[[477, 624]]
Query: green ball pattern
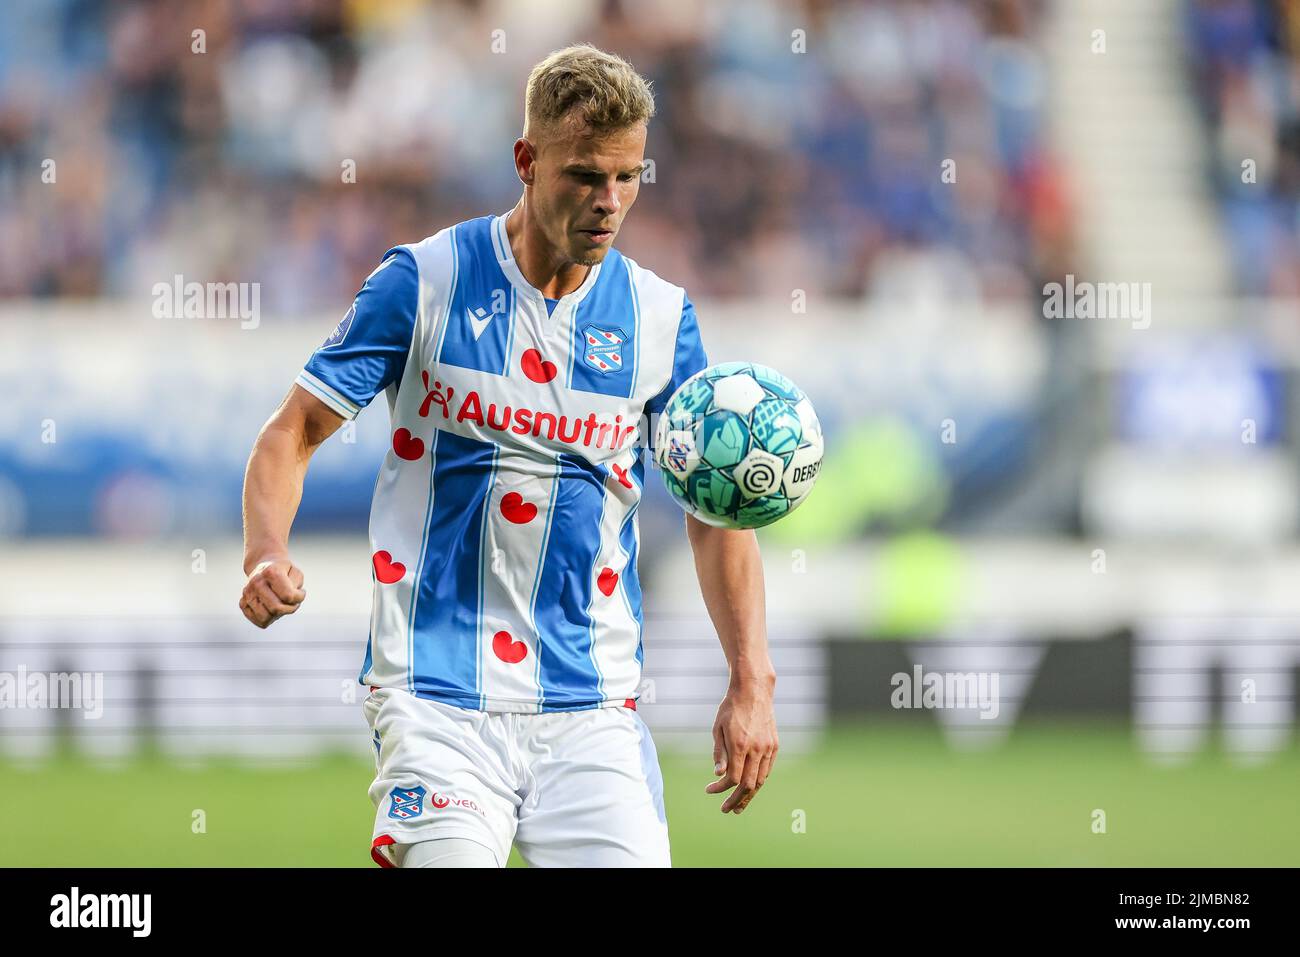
[[723, 439]]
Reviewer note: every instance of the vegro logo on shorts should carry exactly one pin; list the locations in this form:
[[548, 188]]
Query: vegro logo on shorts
[[446, 800]]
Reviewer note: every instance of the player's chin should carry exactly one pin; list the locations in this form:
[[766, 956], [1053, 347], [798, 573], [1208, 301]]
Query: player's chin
[[587, 253]]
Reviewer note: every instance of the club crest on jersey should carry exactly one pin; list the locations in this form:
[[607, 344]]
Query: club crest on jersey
[[407, 802], [602, 349], [341, 330]]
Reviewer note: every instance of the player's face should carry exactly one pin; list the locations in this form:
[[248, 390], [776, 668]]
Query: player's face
[[584, 184]]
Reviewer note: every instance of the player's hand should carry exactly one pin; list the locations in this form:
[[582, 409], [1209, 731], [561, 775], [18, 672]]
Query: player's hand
[[744, 742], [274, 589]]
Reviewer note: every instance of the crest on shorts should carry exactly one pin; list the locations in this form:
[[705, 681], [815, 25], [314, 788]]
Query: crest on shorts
[[407, 802]]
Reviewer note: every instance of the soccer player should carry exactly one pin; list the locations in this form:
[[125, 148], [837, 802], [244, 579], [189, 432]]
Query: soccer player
[[518, 354]]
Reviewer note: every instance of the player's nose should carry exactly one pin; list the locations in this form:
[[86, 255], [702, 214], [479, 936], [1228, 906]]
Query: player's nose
[[607, 200]]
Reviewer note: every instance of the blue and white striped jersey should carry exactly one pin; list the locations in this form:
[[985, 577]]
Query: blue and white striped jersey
[[503, 528]]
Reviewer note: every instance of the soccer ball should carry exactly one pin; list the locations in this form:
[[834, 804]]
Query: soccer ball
[[739, 445]]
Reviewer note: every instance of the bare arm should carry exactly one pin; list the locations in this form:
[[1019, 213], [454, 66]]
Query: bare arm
[[745, 742], [272, 491]]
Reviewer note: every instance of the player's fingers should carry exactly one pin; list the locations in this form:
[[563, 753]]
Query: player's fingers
[[751, 778], [283, 588], [259, 614], [295, 576], [247, 609], [764, 768], [724, 783], [738, 798], [270, 601], [753, 765], [254, 609], [722, 763], [271, 606], [737, 756]]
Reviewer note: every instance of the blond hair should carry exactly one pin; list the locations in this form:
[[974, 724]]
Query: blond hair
[[606, 90]]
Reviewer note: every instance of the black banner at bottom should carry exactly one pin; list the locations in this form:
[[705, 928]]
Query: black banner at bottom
[[239, 906]]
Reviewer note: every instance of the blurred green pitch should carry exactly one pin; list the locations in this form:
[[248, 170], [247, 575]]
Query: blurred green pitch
[[870, 796]]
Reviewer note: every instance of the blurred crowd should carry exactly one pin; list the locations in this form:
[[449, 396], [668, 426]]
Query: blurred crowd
[[798, 145], [1245, 55]]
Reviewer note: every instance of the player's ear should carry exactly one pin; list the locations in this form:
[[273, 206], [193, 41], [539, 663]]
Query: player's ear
[[525, 161]]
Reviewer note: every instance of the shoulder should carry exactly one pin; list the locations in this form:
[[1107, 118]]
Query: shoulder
[[391, 289], [429, 254], [657, 297], [443, 248]]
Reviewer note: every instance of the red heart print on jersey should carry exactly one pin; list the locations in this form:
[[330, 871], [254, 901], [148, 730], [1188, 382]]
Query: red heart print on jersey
[[507, 649], [515, 509], [407, 446], [387, 570], [537, 368], [606, 580]]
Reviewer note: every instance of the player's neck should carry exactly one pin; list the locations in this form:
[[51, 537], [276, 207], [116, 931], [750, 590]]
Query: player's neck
[[549, 273]]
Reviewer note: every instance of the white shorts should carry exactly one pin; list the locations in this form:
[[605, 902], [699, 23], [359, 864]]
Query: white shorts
[[569, 789]]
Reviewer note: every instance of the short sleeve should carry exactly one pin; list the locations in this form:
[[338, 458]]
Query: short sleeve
[[367, 350], [688, 357]]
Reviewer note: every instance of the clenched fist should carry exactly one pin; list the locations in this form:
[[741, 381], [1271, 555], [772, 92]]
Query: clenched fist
[[274, 589]]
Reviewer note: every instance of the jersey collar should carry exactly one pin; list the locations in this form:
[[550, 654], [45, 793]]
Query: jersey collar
[[506, 259]]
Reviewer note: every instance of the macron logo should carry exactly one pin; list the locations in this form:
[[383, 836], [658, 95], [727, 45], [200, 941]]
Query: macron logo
[[478, 320]]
